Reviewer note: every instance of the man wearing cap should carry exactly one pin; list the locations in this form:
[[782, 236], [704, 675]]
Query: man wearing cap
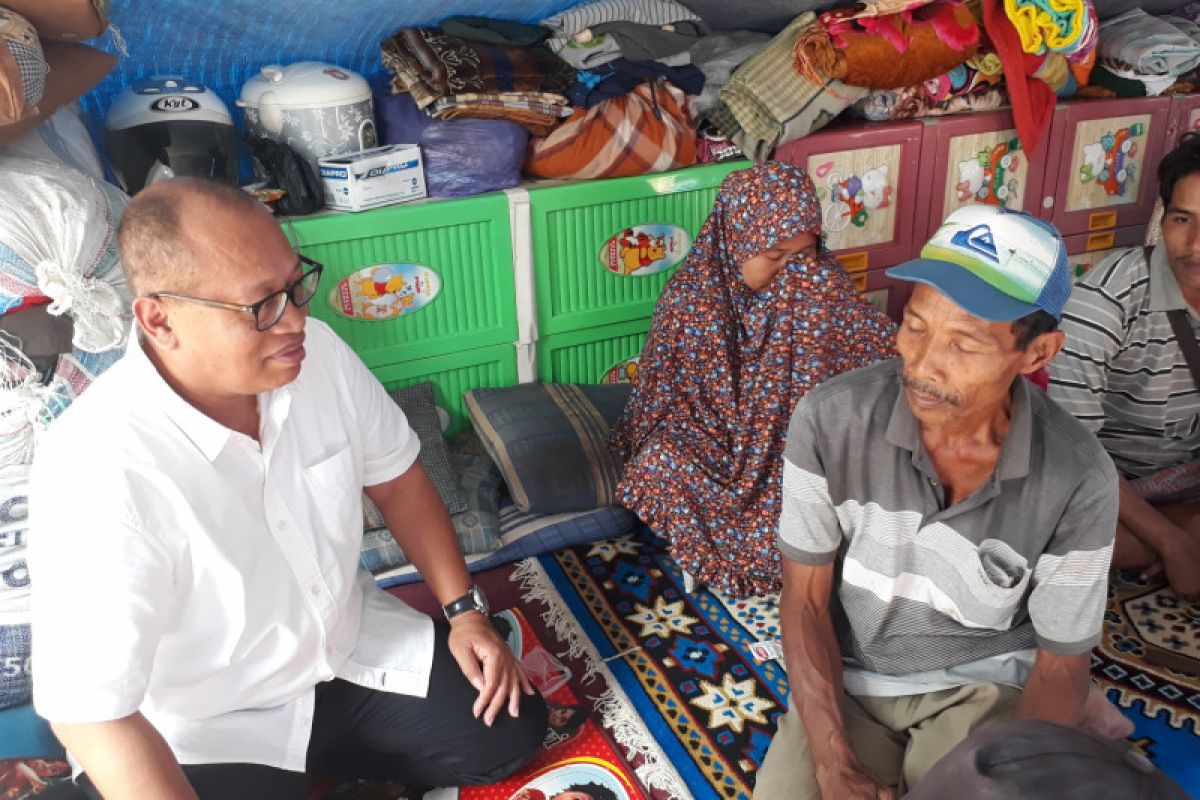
[[946, 527], [1124, 373]]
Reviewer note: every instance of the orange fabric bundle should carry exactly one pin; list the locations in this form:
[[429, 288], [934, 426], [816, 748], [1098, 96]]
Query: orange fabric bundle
[[645, 131], [891, 51]]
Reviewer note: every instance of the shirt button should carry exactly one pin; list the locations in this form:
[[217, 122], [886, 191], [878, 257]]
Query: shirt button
[[315, 590], [281, 525]]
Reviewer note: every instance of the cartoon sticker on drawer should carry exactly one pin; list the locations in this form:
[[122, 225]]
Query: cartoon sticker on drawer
[[625, 371], [857, 191], [385, 291], [1107, 162], [985, 168], [645, 249]]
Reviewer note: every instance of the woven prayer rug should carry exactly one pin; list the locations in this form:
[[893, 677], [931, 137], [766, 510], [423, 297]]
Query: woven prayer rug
[[1149, 664], [684, 661]]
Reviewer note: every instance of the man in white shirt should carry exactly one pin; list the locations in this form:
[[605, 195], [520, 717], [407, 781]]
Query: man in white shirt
[[201, 627]]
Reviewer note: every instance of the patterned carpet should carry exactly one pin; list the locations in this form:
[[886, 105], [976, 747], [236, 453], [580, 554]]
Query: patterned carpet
[[1147, 631], [685, 663]]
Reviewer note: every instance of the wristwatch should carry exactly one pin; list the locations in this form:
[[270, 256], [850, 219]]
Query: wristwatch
[[473, 600]]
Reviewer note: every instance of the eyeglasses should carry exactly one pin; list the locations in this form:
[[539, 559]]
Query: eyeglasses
[[270, 309]]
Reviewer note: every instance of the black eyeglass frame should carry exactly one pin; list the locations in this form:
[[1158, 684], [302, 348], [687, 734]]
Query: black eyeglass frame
[[289, 293]]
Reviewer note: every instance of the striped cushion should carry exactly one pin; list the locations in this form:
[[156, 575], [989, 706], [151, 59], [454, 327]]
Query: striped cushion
[[548, 440]]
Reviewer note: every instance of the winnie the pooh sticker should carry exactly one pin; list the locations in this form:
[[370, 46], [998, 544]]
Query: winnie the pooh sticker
[[645, 249], [385, 291]]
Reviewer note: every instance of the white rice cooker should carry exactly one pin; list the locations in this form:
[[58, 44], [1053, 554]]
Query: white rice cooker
[[317, 109]]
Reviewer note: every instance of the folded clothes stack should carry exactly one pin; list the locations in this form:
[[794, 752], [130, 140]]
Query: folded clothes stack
[[451, 77]]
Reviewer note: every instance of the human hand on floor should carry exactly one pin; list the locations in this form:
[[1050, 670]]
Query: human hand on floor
[[1180, 559], [489, 665]]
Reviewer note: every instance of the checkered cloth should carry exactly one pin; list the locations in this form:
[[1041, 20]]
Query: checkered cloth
[[22, 67], [648, 130]]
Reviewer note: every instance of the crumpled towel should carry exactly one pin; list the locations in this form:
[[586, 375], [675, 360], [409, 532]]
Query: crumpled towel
[[1137, 42]]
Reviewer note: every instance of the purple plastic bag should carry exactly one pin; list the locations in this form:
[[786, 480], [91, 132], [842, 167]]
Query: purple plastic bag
[[461, 156]]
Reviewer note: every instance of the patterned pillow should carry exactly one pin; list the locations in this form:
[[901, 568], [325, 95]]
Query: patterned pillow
[[549, 441], [478, 526], [417, 404], [22, 67]]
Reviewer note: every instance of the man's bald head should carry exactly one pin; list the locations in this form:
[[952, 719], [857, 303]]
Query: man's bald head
[[162, 232]]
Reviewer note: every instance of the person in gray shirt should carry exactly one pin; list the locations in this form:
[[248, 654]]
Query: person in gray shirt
[[946, 528], [1122, 372]]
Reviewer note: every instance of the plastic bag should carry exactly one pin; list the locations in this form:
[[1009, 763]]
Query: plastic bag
[[470, 156], [461, 156], [286, 170]]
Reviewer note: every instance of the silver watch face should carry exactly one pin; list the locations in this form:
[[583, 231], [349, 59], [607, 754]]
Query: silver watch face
[[480, 600]]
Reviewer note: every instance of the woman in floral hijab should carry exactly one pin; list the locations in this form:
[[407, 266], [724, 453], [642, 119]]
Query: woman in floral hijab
[[759, 314]]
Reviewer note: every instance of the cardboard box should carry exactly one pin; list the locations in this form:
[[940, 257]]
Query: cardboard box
[[371, 178]]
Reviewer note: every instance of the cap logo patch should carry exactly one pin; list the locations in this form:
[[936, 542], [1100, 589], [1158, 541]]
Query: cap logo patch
[[978, 240]]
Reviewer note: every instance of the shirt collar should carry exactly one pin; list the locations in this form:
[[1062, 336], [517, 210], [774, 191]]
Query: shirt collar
[[206, 434], [1165, 294], [904, 431]]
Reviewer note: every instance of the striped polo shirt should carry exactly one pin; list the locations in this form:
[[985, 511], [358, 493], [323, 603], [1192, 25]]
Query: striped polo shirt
[[1121, 372], [932, 595]]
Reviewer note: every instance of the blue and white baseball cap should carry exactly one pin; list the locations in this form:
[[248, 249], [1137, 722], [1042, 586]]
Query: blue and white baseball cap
[[995, 264]]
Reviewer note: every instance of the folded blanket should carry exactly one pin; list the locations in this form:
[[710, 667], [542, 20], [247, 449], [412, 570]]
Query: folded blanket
[[1064, 26], [1146, 45], [1124, 83], [718, 55], [585, 35], [891, 51], [621, 76], [975, 85], [913, 102], [537, 112], [772, 103], [431, 65], [494, 31]]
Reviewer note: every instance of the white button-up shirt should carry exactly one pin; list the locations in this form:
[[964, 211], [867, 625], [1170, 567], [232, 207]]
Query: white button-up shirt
[[211, 581]]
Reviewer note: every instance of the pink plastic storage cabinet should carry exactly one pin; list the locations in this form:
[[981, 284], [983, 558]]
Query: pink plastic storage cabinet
[[1185, 116], [975, 158], [1101, 160], [1086, 250], [866, 174]]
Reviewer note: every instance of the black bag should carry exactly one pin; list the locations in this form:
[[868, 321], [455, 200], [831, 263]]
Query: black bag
[[286, 170]]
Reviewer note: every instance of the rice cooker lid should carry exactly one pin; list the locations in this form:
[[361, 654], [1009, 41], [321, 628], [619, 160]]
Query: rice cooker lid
[[305, 84], [164, 98]]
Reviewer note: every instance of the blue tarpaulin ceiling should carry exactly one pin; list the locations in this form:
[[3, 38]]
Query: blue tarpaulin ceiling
[[223, 43]]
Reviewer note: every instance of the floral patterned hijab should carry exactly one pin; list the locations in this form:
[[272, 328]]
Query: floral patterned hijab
[[722, 369]]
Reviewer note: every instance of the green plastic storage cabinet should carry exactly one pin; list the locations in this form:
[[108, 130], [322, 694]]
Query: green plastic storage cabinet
[[603, 250], [453, 374], [412, 281], [606, 354]]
